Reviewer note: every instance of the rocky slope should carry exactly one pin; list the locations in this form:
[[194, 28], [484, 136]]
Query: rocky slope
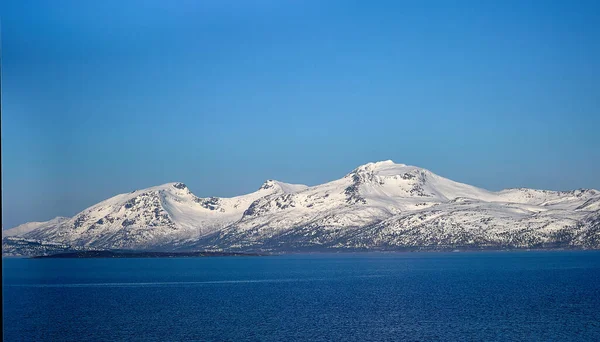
[[381, 205]]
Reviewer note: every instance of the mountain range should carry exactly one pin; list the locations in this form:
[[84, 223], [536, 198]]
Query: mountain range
[[377, 206]]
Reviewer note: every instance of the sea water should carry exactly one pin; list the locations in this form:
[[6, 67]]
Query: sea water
[[502, 296]]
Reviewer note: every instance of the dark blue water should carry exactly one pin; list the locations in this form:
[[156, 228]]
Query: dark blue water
[[361, 297]]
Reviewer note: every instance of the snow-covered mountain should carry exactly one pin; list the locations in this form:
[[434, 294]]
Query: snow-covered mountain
[[380, 205], [168, 213], [31, 226]]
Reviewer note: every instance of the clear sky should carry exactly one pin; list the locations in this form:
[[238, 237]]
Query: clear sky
[[104, 97]]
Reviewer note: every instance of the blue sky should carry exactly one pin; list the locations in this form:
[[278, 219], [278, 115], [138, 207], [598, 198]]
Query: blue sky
[[103, 97]]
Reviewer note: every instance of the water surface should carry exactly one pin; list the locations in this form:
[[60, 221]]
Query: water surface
[[323, 297]]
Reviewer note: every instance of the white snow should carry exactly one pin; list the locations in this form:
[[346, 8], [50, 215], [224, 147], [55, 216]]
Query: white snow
[[380, 203], [31, 226]]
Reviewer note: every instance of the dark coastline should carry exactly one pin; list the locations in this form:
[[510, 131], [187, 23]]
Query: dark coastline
[[137, 254]]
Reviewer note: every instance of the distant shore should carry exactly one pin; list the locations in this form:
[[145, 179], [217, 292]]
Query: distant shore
[[134, 254], [150, 254]]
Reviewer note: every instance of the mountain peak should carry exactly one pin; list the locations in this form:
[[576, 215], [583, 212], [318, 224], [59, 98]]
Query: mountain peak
[[179, 185], [271, 184], [387, 167], [381, 163], [386, 162], [268, 184]]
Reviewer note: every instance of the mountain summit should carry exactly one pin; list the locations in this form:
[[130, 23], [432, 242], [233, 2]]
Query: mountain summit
[[381, 205]]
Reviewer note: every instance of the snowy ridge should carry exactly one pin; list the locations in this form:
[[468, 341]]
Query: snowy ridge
[[380, 205], [31, 226]]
